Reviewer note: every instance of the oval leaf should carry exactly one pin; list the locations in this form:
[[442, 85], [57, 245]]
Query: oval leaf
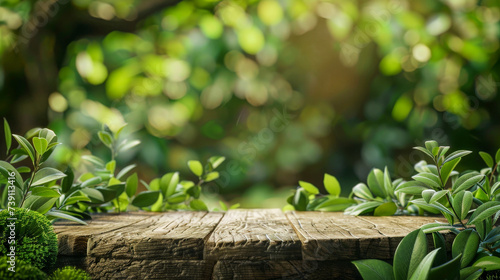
[[374, 269], [465, 244], [46, 175], [195, 167], [332, 186], [410, 252], [145, 199], [310, 188]]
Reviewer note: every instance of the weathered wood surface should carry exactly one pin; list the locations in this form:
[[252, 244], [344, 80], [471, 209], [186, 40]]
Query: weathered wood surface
[[335, 236], [173, 235], [259, 234], [239, 244]]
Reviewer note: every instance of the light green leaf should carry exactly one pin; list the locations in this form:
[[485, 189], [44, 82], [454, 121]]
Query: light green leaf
[[374, 269], [486, 210], [211, 176], [425, 151], [456, 154], [431, 145], [462, 203], [45, 192], [39, 203], [410, 252], [461, 185], [105, 138], [6, 169], [412, 188], [168, 183], [125, 145], [465, 244], [8, 135], [362, 191], [30, 151], [40, 145], [195, 167], [487, 159], [199, 205], [447, 169], [45, 175], [95, 195], [223, 206], [145, 199], [131, 185], [432, 180], [94, 160], [310, 188], [334, 204], [375, 182], [435, 227], [362, 208], [91, 182], [488, 263], [61, 215], [332, 186], [216, 161], [110, 166], [386, 209]]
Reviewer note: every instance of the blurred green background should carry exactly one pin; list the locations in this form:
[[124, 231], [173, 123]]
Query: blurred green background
[[286, 90]]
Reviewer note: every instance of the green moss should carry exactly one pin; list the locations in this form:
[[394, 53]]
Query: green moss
[[35, 239], [23, 270], [69, 272]]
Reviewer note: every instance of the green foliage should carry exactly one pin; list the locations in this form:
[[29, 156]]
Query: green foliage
[[35, 241], [69, 272], [23, 270], [308, 197]]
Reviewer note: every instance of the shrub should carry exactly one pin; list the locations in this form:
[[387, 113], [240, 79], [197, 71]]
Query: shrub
[[69, 272], [23, 270], [35, 239]]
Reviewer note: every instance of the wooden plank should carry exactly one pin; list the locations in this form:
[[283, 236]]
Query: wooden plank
[[253, 234], [171, 235], [335, 236], [103, 268], [257, 270], [72, 237]]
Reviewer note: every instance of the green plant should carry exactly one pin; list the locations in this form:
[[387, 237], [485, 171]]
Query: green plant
[[23, 270], [35, 241], [69, 272], [307, 197]]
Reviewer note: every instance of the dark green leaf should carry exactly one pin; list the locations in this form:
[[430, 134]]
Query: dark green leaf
[[446, 271], [300, 200], [132, 183], [497, 157], [470, 273], [6, 169], [334, 204], [67, 182], [374, 269], [331, 184], [39, 203], [124, 171], [424, 268], [487, 159], [465, 244], [8, 135], [410, 252], [45, 175], [447, 169], [44, 191], [456, 154], [145, 199], [95, 195], [199, 205], [176, 198], [30, 151], [461, 185], [425, 151], [439, 242], [462, 203], [486, 210], [63, 215]]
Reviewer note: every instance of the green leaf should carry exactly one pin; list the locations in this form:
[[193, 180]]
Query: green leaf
[[488, 263], [91, 182], [26, 146], [362, 191], [124, 171], [362, 208], [493, 236], [45, 192], [45, 175], [412, 188], [497, 156], [410, 252], [470, 273], [375, 182], [131, 185], [462, 202], [48, 135], [425, 151], [334, 204], [94, 160], [67, 182], [110, 166], [431, 196], [424, 268], [39, 203], [386, 209], [374, 269], [199, 205], [125, 145], [211, 176], [216, 161], [389, 190], [8, 135], [430, 179], [195, 167], [439, 242], [168, 183], [461, 185], [300, 200], [434, 227], [456, 154], [310, 188], [63, 215], [484, 211], [332, 186], [146, 198], [117, 188], [194, 191], [487, 159], [223, 206], [76, 198], [431, 145], [40, 145], [94, 195], [465, 244], [447, 270], [6, 169], [105, 138], [447, 169]]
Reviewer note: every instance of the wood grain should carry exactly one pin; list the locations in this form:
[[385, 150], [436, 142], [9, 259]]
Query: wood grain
[[103, 268], [171, 235], [253, 234], [335, 236], [259, 270], [73, 237]]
